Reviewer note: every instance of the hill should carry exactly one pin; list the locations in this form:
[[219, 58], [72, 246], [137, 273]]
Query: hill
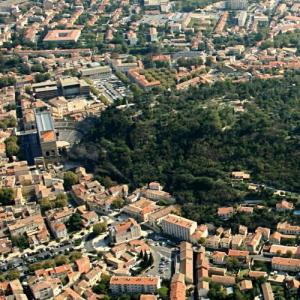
[[191, 140]]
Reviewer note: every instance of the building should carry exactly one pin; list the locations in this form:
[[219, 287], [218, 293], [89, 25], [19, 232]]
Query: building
[[178, 227], [237, 4], [287, 228], [178, 287], [45, 287], [134, 285], [125, 231], [62, 36], [286, 264], [225, 212], [72, 86], [46, 134], [100, 72], [267, 291], [186, 262], [45, 90], [284, 206]]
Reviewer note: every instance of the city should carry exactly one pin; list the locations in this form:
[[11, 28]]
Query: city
[[149, 149]]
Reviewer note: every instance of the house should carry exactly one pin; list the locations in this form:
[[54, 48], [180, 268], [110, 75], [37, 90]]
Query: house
[[223, 280], [93, 276], [284, 206], [219, 257], [242, 256], [83, 264], [225, 212], [213, 242], [281, 250], [245, 285], [264, 231], [237, 241], [240, 175], [275, 238], [253, 242], [257, 274], [267, 291], [45, 287]]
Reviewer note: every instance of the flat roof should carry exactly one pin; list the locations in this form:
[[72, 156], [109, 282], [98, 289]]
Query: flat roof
[[44, 121]]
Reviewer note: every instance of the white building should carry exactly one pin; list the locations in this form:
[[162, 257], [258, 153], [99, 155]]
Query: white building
[[178, 227]]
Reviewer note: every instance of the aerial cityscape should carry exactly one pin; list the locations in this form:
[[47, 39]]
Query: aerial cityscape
[[150, 149]]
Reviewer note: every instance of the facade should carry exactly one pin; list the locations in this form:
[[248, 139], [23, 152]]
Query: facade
[[134, 285], [178, 227]]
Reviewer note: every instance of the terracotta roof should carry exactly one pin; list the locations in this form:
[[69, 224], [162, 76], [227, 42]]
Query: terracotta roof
[[128, 280]]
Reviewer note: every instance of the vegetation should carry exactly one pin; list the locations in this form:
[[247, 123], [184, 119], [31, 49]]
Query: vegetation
[[75, 223], [20, 241], [8, 122], [99, 228], [191, 140], [6, 196], [70, 178], [12, 147], [60, 201]]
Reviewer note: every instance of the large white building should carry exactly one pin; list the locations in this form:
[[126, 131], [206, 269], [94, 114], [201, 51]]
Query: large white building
[[134, 285], [178, 227], [237, 4]]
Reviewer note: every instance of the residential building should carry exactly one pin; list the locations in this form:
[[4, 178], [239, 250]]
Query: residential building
[[267, 291], [63, 36], [287, 228], [225, 212], [284, 206], [178, 287], [134, 285], [286, 264], [178, 227], [186, 262]]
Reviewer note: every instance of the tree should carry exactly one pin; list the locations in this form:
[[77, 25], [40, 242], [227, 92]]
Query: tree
[[6, 196], [99, 228], [13, 274], [12, 147], [117, 203], [75, 222], [70, 178], [20, 241], [163, 292], [61, 200]]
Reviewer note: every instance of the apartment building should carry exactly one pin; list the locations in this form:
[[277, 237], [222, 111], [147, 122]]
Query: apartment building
[[45, 287], [178, 227], [286, 264], [186, 262], [287, 228], [178, 287], [124, 231], [134, 285]]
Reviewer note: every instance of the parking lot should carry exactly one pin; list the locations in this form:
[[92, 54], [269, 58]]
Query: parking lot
[[112, 87]]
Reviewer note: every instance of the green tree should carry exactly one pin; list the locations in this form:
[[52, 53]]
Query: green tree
[[70, 178], [13, 274], [6, 196], [20, 241], [163, 292], [75, 222], [99, 228], [12, 147]]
